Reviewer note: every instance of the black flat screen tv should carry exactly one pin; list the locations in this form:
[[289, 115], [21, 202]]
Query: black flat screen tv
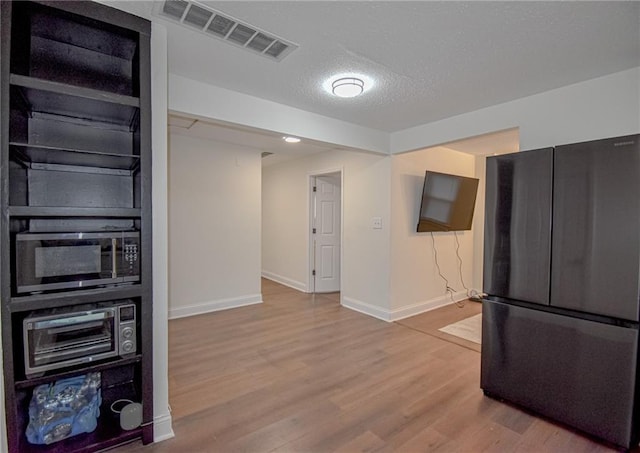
[[447, 202]]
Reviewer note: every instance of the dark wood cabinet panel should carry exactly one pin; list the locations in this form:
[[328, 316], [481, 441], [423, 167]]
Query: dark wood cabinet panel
[[43, 154], [75, 157]]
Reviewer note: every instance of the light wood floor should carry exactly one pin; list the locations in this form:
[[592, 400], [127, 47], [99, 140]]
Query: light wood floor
[[300, 373]]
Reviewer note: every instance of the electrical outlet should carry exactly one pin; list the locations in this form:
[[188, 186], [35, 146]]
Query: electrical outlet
[[376, 223]]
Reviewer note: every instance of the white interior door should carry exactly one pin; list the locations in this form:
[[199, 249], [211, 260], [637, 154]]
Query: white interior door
[[326, 233]]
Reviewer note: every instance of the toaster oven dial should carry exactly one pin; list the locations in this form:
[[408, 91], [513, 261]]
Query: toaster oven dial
[[127, 346], [127, 332]]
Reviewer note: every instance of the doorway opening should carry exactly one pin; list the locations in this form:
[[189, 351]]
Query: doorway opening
[[325, 231]]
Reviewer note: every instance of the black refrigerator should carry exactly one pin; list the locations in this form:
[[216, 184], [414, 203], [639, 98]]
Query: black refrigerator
[[562, 278]]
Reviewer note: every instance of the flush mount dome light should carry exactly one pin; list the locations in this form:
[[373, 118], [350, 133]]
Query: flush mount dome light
[[291, 139], [347, 87]]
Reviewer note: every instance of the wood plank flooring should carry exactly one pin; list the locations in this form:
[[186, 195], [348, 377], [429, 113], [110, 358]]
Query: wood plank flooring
[[431, 321], [300, 373]]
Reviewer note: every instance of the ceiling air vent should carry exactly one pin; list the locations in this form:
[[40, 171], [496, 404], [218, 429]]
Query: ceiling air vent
[[175, 8], [222, 26], [266, 154], [198, 17]]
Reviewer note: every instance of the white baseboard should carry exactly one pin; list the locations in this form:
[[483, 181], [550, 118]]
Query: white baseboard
[[367, 309], [428, 305], [300, 286], [404, 312], [214, 305], [162, 429]]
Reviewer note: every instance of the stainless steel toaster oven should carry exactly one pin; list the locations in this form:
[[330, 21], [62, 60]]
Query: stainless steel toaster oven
[[60, 338]]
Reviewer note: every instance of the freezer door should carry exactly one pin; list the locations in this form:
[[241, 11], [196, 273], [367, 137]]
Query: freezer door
[[575, 371], [596, 227], [517, 240]]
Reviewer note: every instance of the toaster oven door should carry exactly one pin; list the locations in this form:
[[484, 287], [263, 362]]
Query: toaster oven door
[[56, 341]]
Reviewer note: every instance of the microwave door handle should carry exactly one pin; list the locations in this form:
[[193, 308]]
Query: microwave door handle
[[114, 258]]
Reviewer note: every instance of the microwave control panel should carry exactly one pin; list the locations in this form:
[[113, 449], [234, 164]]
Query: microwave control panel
[[131, 264]]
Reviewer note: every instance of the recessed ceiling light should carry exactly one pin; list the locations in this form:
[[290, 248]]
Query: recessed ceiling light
[[347, 87], [291, 139]]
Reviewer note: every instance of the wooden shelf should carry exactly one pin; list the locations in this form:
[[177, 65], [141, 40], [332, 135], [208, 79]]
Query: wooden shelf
[[46, 211], [77, 297], [44, 96], [73, 90], [83, 369], [105, 436], [108, 432], [77, 157]]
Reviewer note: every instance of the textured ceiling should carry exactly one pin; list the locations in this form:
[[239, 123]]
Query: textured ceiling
[[428, 60]]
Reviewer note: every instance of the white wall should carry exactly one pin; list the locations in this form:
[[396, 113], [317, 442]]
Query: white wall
[[608, 106], [415, 283], [285, 224], [214, 226], [365, 251], [161, 415], [208, 101], [599, 108]]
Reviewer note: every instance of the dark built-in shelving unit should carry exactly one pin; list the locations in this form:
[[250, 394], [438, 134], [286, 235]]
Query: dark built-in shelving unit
[[75, 155]]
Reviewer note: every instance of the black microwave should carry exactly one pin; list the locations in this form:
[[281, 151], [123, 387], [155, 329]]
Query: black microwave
[[55, 261]]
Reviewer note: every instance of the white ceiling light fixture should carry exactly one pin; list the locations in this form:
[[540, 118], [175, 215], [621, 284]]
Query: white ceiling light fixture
[[348, 84], [347, 87], [291, 139]]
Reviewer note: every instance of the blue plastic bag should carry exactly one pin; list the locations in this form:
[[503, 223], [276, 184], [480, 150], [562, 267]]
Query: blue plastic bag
[[64, 408]]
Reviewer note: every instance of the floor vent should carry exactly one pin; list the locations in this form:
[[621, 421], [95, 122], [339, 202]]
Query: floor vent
[[222, 26]]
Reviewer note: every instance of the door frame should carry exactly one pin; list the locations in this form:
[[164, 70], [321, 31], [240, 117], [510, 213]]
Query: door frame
[[310, 245]]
